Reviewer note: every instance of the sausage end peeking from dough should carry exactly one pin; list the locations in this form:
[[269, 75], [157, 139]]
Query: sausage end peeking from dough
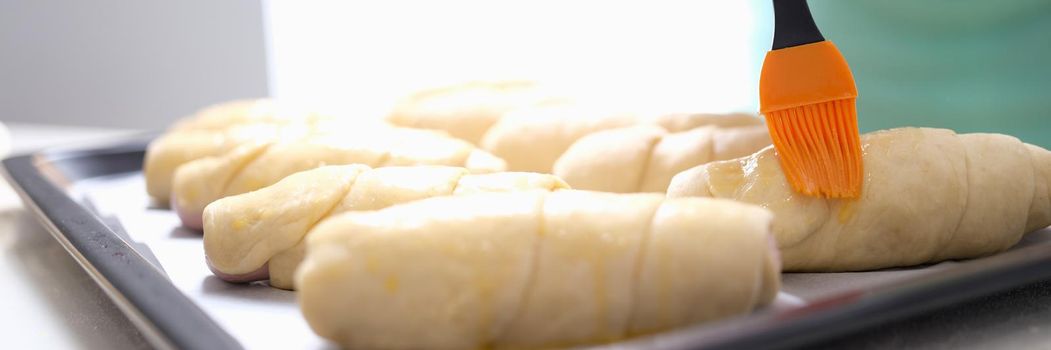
[[202, 181], [245, 232]]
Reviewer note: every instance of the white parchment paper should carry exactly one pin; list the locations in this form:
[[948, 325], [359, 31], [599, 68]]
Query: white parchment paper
[[262, 317]]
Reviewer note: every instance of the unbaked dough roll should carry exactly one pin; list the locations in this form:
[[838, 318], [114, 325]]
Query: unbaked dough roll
[[173, 149], [644, 158], [258, 235], [928, 195], [248, 111], [467, 110], [532, 139], [254, 166], [533, 269], [217, 129], [677, 122]]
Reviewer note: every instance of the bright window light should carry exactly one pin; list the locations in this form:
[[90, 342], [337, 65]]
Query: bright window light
[[358, 56]]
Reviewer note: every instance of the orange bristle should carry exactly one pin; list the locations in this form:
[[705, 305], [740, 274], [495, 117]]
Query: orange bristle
[[819, 148], [808, 96]]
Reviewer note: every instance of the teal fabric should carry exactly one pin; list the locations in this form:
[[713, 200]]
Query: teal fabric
[[967, 65]]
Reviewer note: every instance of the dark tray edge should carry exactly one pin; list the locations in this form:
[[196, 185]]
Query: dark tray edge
[[850, 312], [166, 317]]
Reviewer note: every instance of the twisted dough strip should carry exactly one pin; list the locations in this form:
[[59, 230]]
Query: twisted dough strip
[[533, 269], [527, 125], [258, 235], [467, 110], [171, 150], [254, 166], [464, 111], [217, 129], [644, 158], [229, 114], [928, 195], [533, 139]]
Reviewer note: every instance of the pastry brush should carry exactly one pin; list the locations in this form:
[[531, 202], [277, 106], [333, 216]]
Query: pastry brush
[[807, 93]]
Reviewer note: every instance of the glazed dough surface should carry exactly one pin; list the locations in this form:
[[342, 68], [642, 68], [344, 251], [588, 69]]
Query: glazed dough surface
[[928, 195], [171, 150], [533, 269], [533, 139], [265, 228], [217, 129], [254, 166], [644, 158]]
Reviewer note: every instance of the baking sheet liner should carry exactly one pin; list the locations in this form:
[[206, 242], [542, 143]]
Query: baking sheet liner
[[262, 317]]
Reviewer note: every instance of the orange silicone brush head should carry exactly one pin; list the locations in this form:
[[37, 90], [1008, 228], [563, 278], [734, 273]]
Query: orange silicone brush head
[[808, 96]]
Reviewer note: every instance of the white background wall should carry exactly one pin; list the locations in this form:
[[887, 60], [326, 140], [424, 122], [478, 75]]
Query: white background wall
[[143, 64], [132, 64]]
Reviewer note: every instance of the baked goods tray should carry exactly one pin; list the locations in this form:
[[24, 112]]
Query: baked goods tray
[[92, 199]]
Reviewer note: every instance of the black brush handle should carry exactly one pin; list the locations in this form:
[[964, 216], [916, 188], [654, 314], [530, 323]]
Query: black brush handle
[[793, 25]]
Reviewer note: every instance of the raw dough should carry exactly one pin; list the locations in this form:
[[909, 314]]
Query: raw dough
[[228, 114], [533, 269], [929, 195], [257, 165], [533, 139], [265, 228], [467, 110], [217, 129], [644, 158]]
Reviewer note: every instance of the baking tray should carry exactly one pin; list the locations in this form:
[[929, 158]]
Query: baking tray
[[92, 199]]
